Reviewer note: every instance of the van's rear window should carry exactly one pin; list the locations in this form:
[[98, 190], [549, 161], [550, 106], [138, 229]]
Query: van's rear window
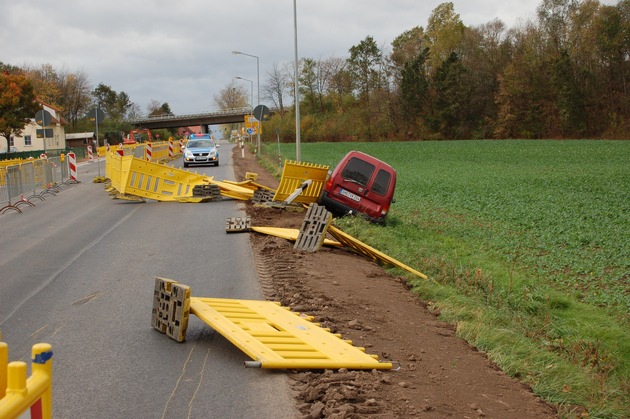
[[358, 171], [381, 183]]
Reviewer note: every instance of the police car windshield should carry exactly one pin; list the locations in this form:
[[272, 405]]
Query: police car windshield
[[200, 143]]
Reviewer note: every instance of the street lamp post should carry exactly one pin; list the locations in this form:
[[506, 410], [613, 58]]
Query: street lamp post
[[252, 90], [297, 89], [252, 100], [258, 94]]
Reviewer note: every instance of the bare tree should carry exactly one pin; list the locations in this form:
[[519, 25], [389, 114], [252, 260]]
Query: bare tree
[[276, 87], [75, 96]]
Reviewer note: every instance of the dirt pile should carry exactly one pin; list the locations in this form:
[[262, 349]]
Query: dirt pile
[[437, 375]]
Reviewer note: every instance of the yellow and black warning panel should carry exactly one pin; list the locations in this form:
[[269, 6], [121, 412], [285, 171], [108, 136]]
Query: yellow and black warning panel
[[271, 335]]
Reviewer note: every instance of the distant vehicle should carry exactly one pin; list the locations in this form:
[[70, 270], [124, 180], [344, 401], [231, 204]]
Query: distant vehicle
[[12, 149], [360, 184], [201, 149]]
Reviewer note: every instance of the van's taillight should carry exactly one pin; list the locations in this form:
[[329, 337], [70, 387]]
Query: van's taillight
[[329, 184]]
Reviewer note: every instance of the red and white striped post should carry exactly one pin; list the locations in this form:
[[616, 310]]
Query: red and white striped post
[[149, 151], [181, 143], [72, 166], [90, 154], [120, 150], [107, 147], [170, 148]]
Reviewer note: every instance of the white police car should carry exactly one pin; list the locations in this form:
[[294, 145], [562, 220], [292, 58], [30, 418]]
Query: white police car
[[201, 149]]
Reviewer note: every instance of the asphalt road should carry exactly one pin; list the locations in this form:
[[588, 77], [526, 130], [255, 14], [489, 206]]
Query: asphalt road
[[78, 271]]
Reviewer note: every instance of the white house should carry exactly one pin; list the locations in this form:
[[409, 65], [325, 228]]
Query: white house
[[32, 138]]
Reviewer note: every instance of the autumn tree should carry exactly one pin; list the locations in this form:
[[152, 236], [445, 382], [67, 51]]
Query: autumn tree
[[115, 105], [363, 65], [18, 104], [156, 108], [232, 96], [444, 35]]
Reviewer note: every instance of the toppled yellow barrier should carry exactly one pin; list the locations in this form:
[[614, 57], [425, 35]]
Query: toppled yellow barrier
[[295, 174], [271, 335], [131, 176], [289, 234], [369, 251]]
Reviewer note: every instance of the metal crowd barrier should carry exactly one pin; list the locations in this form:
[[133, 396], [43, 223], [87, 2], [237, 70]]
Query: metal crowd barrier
[[27, 180]]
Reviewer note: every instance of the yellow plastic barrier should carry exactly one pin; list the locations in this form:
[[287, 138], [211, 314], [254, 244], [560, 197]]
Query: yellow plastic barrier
[[141, 178], [369, 251], [21, 394], [153, 180], [294, 174], [159, 149], [273, 336]]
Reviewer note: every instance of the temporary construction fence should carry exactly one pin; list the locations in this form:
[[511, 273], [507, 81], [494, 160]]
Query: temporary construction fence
[[160, 150], [24, 181], [26, 397], [131, 176], [295, 174], [273, 336]]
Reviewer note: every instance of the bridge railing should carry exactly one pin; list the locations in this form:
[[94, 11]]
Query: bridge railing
[[231, 111]]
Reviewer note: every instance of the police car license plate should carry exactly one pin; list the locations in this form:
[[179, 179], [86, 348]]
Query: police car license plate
[[350, 195]]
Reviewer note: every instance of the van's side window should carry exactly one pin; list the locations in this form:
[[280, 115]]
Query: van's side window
[[358, 171], [381, 183]]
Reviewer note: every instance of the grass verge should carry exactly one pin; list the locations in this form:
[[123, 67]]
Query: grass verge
[[527, 244]]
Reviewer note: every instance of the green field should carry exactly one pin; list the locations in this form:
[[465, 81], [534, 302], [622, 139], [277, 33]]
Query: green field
[[527, 246]]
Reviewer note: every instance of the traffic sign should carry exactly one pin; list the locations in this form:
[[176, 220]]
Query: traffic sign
[[96, 115], [43, 118], [262, 113]]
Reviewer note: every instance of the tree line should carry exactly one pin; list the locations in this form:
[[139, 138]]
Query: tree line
[[22, 87], [564, 75]]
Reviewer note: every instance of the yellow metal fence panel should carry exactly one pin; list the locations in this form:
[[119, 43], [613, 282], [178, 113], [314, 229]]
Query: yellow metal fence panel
[[275, 337], [294, 174]]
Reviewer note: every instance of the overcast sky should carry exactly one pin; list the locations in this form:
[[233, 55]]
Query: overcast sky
[[179, 52]]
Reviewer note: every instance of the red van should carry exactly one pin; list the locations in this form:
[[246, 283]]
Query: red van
[[361, 184]]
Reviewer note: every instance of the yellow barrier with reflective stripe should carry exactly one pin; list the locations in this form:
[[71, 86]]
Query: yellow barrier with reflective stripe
[[294, 174]]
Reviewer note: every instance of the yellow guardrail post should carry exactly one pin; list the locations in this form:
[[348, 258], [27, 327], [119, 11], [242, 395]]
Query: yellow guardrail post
[[4, 360], [34, 393]]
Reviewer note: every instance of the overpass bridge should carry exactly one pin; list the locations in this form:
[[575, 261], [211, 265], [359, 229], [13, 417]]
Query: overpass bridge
[[227, 116]]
